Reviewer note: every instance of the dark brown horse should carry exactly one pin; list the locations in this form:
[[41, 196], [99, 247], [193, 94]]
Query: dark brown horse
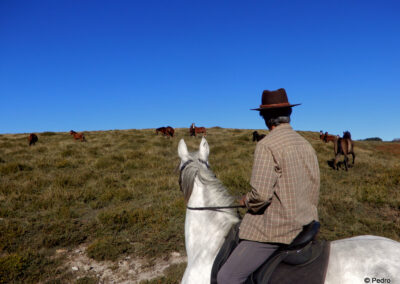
[[166, 131], [343, 146], [161, 129], [170, 131], [257, 137], [193, 130], [32, 139], [326, 137], [78, 135]]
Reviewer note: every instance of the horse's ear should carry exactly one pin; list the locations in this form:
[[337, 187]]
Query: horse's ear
[[204, 149], [182, 150]]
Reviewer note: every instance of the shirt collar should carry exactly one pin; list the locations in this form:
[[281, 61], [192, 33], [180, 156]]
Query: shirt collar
[[281, 127]]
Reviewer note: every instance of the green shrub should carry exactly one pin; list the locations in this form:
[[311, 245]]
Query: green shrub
[[12, 267], [108, 248], [25, 267]]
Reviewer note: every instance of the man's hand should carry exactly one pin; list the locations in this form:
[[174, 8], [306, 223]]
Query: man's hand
[[242, 201]]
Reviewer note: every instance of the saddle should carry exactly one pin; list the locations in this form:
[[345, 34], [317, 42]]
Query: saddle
[[303, 261]]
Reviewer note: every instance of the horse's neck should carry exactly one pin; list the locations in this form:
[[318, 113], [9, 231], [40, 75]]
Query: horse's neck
[[205, 230]]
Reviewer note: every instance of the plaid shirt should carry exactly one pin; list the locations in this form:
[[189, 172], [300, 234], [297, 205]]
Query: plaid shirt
[[285, 188]]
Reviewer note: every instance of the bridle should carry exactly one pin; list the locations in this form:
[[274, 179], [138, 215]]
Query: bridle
[[215, 208]]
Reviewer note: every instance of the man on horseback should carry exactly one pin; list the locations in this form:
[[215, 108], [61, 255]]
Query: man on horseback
[[284, 191]]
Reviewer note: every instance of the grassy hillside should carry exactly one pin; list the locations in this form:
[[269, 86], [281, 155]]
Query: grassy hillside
[[118, 194]]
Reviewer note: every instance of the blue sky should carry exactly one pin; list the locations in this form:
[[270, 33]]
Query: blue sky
[[100, 65]]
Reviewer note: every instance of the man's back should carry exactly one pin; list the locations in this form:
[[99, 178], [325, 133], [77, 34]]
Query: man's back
[[285, 182]]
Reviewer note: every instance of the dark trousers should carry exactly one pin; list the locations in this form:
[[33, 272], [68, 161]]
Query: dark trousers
[[244, 260]]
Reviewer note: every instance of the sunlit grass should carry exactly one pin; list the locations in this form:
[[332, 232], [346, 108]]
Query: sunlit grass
[[118, 193]]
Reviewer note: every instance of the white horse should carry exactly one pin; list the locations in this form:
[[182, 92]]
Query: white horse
[[362, 259]]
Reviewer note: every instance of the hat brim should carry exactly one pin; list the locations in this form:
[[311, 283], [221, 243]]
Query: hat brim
[[274, 107]]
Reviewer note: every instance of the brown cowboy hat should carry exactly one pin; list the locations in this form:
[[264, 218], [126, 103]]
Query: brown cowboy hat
[[274, 99]]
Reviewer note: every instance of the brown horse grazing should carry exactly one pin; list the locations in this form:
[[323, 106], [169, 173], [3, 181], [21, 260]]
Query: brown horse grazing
[[32, 139], [326, 137], [170, 131], [257, 137], [78, 136], [344, 146], [161, 129], [166, 131], [193, 130]]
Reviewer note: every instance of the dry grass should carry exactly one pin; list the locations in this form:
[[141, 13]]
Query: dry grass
[[118, 193]]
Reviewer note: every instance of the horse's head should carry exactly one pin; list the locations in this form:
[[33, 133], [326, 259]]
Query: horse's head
[[191, 164], [198, 157], [72, 132]]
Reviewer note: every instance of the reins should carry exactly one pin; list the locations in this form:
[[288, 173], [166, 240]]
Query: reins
[[215, 208]]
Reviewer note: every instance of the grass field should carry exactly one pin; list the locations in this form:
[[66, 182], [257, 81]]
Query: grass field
[[118, 194]]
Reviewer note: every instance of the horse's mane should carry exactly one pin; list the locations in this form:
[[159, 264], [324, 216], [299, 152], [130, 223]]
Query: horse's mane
[[216, 191]]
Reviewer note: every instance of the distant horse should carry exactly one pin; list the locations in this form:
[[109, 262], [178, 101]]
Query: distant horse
[[193, 130], [161, 129], [78, 136], [351, 260], [343, 146], [166, 131], [326, 137], [257, 137], [32, 139], [170, 131]]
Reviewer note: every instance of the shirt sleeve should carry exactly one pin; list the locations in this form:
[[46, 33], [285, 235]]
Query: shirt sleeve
[[263, 179]]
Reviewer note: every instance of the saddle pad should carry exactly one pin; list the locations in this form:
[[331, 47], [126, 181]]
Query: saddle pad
[[312, 273]]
